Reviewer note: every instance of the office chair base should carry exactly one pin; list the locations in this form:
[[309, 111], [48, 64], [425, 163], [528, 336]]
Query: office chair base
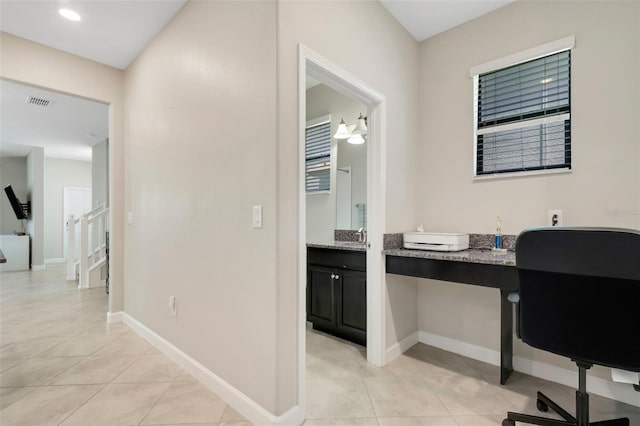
[[544, 403], [543, 421]]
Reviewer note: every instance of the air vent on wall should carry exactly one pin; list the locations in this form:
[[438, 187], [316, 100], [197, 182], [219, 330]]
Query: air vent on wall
[[38, 101]]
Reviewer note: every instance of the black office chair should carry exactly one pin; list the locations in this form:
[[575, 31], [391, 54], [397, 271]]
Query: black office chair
[[579, 298]]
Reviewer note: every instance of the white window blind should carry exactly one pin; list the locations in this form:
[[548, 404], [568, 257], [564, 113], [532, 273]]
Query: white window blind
[[318, 157], [523, 116]]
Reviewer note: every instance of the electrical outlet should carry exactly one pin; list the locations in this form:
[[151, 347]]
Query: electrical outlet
[[555, 218], [172, 305], [257, 217]]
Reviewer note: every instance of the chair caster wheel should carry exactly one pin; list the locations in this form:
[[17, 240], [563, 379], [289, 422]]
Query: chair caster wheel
[[542, 406], [508, 422]]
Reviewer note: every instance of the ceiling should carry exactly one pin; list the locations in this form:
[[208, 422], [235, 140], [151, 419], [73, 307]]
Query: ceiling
[[426, 18], [114, 33], [67, 128], [110, 32]]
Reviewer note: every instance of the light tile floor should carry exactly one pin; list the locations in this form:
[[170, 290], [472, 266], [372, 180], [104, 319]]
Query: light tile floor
[[424, 387], [62, 364]]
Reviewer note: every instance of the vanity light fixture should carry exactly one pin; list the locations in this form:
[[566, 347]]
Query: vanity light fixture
[[342, 132], [355, 136], [361, 126], [71, 15], [356, 139]]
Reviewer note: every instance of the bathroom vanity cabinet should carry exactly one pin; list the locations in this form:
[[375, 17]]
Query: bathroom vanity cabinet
[[337, 292]]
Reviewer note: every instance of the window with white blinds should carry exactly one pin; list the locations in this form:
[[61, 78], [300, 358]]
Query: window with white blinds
[[318, 157], [523, 116]]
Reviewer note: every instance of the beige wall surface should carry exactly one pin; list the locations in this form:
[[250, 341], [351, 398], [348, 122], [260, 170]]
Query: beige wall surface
[[603, 188], [58, 174], [35, 223], [31, 63], [321, 208], [201, 151], [100, 174], [13, 171], [365, 40]]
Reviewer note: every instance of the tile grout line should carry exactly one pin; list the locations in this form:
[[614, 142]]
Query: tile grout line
[[373, 408], [155, 404], [83, 404], [8, 405]]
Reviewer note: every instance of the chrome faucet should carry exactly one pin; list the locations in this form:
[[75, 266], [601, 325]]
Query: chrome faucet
[[362, 235]]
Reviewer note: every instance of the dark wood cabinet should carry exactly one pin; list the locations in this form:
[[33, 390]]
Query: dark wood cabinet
[[337, 293]]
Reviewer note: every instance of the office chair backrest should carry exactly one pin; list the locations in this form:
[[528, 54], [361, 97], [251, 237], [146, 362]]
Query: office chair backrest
[[580, 293]]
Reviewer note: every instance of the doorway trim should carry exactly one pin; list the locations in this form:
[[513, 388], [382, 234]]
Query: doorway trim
[[309, 62]]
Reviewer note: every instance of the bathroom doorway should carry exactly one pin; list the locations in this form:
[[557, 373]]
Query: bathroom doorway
[[373, 105]]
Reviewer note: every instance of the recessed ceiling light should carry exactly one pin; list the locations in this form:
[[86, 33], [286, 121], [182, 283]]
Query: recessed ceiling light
[[71, 15]]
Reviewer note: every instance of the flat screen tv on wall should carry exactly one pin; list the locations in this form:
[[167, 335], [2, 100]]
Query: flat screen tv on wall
[[20, 209]]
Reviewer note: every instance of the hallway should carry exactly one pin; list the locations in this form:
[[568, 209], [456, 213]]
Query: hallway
[[62, 364]]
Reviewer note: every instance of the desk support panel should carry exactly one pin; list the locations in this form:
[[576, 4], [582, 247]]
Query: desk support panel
[[502, 277], [506, 336]]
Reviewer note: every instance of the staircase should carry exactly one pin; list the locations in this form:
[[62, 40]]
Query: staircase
[[86, 263]]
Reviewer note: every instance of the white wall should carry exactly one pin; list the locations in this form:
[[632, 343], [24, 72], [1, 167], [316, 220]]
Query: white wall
[[321, 208], [31, 63], [58, 174], [365, 40], [35, 223], [201, 149], [605, 144], [100, 174], [13, 171]]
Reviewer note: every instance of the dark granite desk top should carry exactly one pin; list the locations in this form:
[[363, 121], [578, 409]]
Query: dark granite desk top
[[470, 256], [340, 245]]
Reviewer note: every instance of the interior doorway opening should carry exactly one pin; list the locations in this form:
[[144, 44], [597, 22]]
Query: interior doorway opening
[[70, 133], [320, 69]]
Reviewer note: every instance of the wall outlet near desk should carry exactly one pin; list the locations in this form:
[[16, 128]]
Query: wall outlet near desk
[[555, 218]]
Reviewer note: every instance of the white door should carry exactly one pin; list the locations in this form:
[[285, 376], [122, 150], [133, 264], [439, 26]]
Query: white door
[[77, 201]]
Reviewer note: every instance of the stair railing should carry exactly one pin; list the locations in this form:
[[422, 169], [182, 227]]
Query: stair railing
[[92, 227]]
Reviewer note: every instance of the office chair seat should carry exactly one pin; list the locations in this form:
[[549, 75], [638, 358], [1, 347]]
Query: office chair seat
[[579, 292]]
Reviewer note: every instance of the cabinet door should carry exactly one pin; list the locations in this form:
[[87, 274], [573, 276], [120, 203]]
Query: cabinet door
[[321, 307], [352, 304]]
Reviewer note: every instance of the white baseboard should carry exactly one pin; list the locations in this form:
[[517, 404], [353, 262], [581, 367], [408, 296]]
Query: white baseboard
[[113, 317], [55, 260], [232, 396], [400, 347], [596, 385], [461, 348], [38, 267]]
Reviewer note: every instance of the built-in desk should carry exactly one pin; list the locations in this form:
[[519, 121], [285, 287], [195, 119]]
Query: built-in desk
[[474, 267]]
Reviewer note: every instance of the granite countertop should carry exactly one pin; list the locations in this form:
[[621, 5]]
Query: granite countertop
[[340, 245], [471, 255]]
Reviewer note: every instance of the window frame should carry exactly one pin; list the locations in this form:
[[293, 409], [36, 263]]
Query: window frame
[[312, 123], [548, 49]]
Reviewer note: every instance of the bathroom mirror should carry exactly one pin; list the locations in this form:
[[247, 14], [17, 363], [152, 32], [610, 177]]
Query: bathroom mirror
[[344, 204]]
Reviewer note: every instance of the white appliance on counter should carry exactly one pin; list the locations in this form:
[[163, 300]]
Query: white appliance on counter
[[436, 241]]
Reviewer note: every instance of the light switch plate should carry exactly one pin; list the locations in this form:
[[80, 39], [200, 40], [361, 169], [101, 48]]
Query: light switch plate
[[257, 217], [130, 218]]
